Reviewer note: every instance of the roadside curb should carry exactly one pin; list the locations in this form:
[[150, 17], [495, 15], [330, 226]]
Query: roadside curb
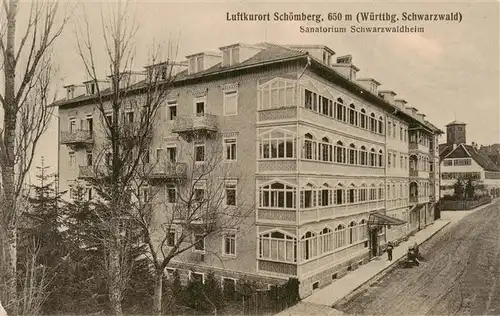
[[387, 269]]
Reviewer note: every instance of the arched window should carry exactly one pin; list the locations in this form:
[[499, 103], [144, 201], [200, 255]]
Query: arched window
[[373, 123], [277, 195], [353, 155], [363, 230], [351, 194], [308, 196], [309, 147], [373, 158], [326, 149], [381, 192], [362, 119], [353, 236], [339, 195], [381, 125], [340, 152], [309, 246], [340, 110], [363, 194], [326, 240], [278, 246], [353, 117], [277, 145], [364, 156], [380, 158], [276, 94], [373, 193], [326, 195], [340, 238]]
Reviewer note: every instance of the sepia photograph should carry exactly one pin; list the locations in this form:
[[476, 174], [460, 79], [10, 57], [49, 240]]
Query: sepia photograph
[[249, 157]]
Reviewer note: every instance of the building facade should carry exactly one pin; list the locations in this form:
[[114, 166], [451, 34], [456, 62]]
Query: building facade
[[335, 167], [460, 161]]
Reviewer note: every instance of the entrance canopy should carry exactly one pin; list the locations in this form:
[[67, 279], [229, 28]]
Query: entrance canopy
[[379, 219]]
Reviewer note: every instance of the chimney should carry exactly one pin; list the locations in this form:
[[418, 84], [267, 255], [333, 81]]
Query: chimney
[[387, 95]]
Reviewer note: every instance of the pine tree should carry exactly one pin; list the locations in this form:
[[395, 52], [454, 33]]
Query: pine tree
[[41, 246]]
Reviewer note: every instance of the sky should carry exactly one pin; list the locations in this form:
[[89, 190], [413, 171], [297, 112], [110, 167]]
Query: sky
[[451, 71]]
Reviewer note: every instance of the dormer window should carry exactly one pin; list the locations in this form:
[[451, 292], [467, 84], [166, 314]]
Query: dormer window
[[230, 56], [70, 92], [199, 63], [91, 88]]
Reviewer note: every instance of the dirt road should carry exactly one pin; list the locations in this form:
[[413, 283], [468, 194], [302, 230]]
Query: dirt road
[[460, 275]]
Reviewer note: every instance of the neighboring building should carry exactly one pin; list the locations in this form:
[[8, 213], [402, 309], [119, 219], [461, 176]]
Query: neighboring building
[[462, 161], [493, 152], [337, 165]]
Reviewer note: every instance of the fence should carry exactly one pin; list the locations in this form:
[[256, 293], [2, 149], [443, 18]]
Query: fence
[[463, 205], [273, 301]]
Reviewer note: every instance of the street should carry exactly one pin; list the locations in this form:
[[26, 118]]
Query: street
[[459, 274]]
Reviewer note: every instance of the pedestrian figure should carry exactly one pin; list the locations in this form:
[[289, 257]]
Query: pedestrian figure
[[389, 251]]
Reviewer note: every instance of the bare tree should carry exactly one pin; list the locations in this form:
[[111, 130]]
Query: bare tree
[[27, 73], [129, 110], [196, 199]]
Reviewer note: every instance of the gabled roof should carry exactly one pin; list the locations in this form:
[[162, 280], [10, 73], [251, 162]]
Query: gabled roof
[[468, 151]]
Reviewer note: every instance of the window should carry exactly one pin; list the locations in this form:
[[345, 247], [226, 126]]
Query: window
[[199, 107], [226, 57], [199, 63], [130, 117], [326, 195], [230, 148], [277, 195], [108, 159], [109, 119], [146, 156], [353, 236], [192, 66], [277, 145], [89, 158], [277, 93], [353, 155], [325, 240], [197, 277], [90, 124], [308, 196], [363, 231], [309, 246], [339, 195], [171, 238], [326, 149], [381, 125], [353, 117], [71, 160], [171, 194], [199, 152], [160, 152], [311, 100], [231, 193], [309, 147], [228, 285], [380, 158], [362, 119], [340, 152], [199, 242], [340, 240], [363, 156], [171, 110], [72, 125], [72, 193], [340, 110], [144, 195], [172, 154], [373, 123], [230, 102], [373, 158], [278, 246], [199, 195], [229, 246]]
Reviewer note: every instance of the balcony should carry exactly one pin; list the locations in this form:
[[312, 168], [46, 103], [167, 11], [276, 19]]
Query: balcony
[[193, 127], [89, 172], [167, 171], [414, 173], [77, 139], [418, 147]]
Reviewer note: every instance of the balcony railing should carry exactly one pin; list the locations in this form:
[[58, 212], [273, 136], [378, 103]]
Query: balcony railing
[[77, 138], [167, 170], [89, 172], [413, 199], [413, 173], [188, 126]]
